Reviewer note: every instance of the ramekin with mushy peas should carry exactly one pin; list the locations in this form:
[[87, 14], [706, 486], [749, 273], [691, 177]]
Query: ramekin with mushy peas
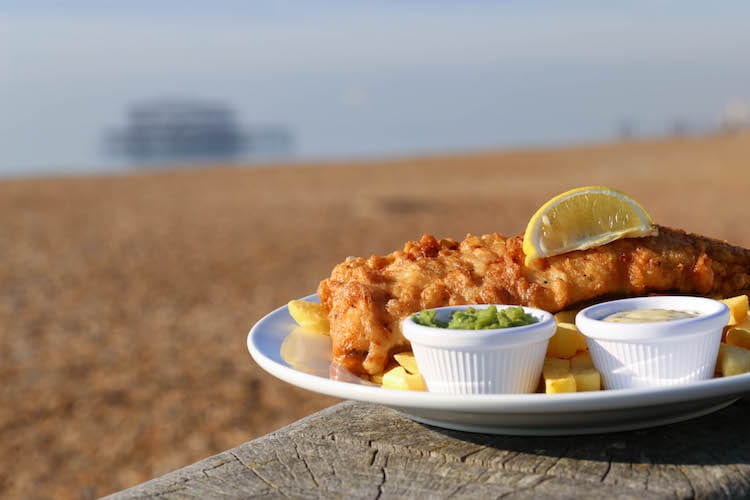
[[654, 341], [480, 349]]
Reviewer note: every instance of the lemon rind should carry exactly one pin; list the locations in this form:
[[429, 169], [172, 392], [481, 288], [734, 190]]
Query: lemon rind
[[645, 228]]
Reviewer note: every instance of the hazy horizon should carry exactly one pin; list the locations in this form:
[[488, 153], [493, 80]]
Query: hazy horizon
[[367, 80]]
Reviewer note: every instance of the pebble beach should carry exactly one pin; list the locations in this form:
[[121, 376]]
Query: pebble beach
[[125, 300]]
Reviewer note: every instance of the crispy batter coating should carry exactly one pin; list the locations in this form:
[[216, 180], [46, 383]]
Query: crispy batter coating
[[366, 298]]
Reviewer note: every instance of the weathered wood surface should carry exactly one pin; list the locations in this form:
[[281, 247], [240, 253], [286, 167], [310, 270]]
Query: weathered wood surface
[[357, 450]]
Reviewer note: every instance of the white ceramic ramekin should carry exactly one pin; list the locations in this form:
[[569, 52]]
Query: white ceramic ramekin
[[503, 360], [664, 353]]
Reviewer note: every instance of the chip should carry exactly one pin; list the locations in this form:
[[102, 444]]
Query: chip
[[309, 315]]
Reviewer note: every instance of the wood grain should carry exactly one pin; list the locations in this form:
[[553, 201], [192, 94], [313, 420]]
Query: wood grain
[[358, 450]]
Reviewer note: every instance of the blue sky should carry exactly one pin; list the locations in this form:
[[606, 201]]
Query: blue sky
[[364, 79]]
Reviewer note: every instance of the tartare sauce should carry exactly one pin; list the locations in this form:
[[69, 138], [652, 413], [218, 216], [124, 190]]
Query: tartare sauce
[[648, 315]]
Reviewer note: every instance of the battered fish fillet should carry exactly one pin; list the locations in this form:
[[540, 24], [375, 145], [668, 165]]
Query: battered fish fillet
[[366, 298]]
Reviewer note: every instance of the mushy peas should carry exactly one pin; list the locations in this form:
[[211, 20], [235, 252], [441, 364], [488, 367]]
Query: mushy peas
[[477, 319]]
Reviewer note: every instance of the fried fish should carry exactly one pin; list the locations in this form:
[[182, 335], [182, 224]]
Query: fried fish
[[366, 298]]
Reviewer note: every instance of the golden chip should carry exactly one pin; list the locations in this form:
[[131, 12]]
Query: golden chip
[[399, 378], [732, 360], [408, 361], [738, 307], [566, 342], [309, 315]]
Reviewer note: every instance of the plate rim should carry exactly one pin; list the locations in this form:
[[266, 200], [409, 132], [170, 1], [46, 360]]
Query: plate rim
[[731, 387]]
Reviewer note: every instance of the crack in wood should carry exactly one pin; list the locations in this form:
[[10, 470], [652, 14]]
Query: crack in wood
[[369, 451], [254, 472], [306, 464], [647, 479], [168, 492], [684, 474], [464, 458], [533, 483], [207, 469], [510, 456], [239, 460], [383, 479], [555, 460], [606, 471]]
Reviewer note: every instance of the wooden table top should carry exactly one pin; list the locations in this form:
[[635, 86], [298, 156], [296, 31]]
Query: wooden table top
[[361, 450]]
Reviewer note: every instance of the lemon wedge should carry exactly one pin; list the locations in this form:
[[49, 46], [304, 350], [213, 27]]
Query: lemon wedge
[[583, 218]]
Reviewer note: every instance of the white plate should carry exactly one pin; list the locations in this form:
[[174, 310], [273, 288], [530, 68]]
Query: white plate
[[518, 414]]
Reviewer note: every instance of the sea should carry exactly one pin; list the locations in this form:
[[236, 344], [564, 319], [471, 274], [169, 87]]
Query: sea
[[347, 80]]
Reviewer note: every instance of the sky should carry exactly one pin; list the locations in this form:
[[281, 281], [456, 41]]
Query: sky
[[367, 79]]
